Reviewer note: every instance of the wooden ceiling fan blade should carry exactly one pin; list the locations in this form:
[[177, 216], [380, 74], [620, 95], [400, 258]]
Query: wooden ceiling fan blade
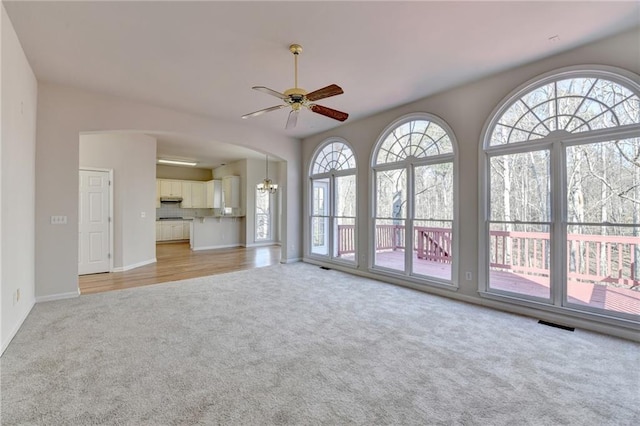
[[262, 111], [269, 92], [293, 119], [328, 112], [325, 92]]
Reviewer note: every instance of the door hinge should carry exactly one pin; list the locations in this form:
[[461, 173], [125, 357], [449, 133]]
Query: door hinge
[[109, 183], [108, 255], [109, 219]]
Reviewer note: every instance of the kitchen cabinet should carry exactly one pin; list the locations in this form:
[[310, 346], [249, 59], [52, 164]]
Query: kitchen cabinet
[[198, 195], [193, 193], [170, 188], [157, 194], [187, 199], [213, 197], [231, 191], [177, 231], [172, 230]]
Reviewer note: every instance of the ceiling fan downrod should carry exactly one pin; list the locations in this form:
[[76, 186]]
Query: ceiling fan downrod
[[296, 49]]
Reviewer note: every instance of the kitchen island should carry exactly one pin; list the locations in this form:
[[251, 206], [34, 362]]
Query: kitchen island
[[214, 232]]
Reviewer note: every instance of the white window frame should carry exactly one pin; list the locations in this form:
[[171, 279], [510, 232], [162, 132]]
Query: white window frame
[[330, 205], [269, 237], [409, 164], [556, 144]]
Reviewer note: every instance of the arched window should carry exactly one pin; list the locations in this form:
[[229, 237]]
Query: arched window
[[414, 178], [333, 202], [562, 191]]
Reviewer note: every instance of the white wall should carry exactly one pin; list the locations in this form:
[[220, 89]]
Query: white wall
[[18, 88], [465, 109], [64, 113], [132, 157]]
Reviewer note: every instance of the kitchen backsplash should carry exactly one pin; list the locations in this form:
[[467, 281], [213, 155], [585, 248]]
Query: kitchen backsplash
[[174, 210]]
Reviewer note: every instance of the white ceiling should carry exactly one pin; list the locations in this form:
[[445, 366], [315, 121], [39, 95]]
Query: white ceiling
[[203, 57]]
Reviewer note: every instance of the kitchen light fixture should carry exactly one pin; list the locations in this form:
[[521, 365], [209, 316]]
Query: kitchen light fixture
[[267, 184], [177, 162]]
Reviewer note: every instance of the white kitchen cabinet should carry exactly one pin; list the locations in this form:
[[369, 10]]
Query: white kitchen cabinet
[[177, 230], [157, 194], [187, 199], [171, 230], [198, 195], [213, 197], [231, 191], [165, 231], [170, 188]]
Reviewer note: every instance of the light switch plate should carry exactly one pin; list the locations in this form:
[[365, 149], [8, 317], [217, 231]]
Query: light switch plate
[[58, 220]]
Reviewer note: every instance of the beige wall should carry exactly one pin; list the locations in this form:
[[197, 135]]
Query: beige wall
[[132, 157], [183, 173], [18, 89], [465, 109], [64, 113]]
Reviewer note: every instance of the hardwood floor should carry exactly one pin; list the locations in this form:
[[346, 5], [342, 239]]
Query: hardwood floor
[[176, 261]]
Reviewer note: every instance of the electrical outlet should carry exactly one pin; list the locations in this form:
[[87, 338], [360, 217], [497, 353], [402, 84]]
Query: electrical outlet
[[467, 276], [143, 214]]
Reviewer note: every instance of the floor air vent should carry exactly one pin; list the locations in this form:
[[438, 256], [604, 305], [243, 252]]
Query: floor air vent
[[550, 324], [325, 268]]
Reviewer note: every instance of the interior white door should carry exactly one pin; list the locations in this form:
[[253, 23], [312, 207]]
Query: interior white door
[[93, 250]]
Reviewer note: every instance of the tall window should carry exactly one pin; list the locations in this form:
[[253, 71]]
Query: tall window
[[414, 187], [263, 215], [333, 202], [563, 194]]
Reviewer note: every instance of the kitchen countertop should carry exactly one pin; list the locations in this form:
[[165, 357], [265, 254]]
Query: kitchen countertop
[[219, 216]]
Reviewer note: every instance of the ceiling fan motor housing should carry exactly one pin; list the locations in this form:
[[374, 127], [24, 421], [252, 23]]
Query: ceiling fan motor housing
[[295, 97]]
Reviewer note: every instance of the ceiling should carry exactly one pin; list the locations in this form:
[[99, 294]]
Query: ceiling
[[204, 57]]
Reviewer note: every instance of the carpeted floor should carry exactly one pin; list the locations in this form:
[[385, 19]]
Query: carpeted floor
[[295, 344]]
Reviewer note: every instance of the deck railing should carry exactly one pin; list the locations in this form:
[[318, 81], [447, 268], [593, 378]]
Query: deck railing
[[592, 258]]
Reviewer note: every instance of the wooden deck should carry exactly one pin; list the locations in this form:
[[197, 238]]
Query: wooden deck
[[601, 296]]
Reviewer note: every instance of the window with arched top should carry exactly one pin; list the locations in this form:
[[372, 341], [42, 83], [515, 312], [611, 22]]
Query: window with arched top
[[332, 222], [568, 105], [562, 193], [334, 156], [417, 138], [414, 188]]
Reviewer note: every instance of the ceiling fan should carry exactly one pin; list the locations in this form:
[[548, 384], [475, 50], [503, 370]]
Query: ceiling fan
[[297, 98]]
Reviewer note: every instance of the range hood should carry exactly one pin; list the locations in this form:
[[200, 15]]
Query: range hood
[[170, 199]]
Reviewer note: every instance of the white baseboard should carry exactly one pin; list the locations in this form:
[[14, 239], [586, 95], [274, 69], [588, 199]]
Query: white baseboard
[[216, 247], [58, 296], [264, 244], [135, 265], [293, 260], [14, 331]]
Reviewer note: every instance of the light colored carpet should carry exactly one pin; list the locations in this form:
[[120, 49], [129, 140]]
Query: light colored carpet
[[295, 344]]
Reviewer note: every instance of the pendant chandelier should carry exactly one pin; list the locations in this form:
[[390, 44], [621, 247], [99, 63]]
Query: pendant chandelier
[[267, 184]]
